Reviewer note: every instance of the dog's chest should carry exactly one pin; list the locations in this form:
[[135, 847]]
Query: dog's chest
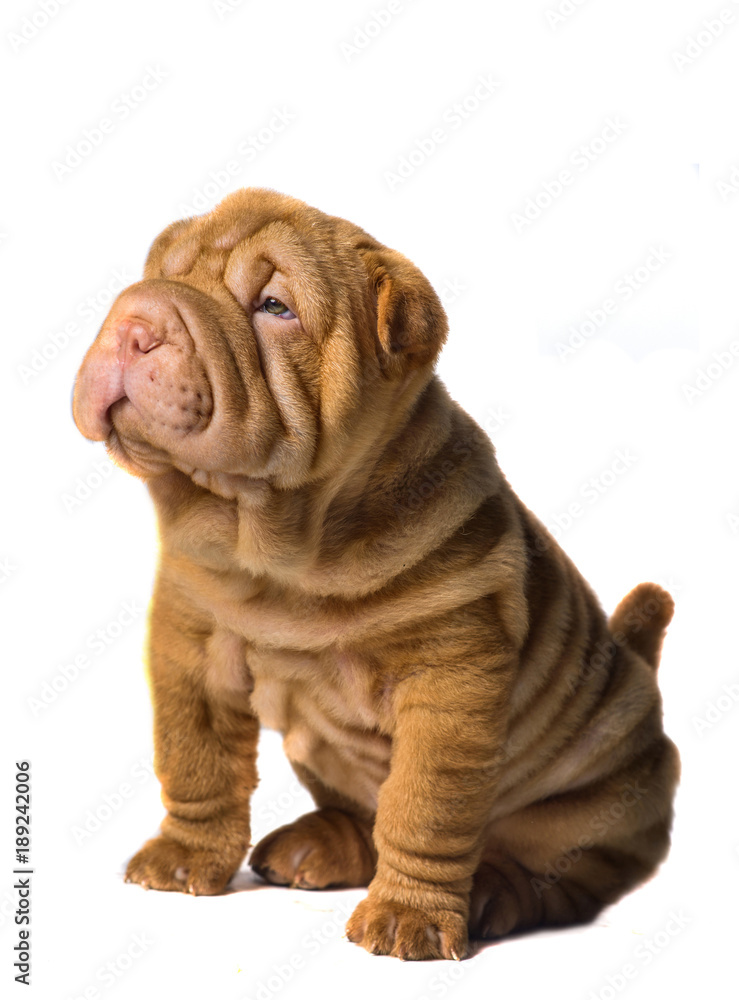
[[329, 710]]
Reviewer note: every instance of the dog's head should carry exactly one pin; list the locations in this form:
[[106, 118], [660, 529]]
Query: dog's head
[[264, 337]]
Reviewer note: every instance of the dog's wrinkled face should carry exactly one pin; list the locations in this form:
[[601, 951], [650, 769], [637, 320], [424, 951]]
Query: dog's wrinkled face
[[260, 338]]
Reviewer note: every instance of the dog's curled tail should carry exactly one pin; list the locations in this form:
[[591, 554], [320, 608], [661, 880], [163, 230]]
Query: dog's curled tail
[[642, 618]]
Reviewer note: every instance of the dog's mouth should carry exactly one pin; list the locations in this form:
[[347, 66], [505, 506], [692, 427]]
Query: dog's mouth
[[167, 393], [144, 377]]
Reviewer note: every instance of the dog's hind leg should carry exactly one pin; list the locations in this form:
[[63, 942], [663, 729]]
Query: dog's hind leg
[[561, 861], [331, 846]]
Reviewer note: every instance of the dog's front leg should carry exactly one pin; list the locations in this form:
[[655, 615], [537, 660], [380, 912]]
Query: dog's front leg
[[432, 810], [205, 742]]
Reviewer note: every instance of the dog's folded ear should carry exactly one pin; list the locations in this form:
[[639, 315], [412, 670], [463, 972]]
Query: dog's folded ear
[[411, 322]]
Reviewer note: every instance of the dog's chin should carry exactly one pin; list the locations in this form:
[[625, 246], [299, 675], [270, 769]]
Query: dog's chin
[[138, 457], [146, 447], [145, 461]]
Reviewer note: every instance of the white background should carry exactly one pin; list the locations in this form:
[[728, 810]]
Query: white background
[[69, 568]]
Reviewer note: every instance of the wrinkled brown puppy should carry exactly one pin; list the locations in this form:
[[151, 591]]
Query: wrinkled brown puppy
[[343, 561]]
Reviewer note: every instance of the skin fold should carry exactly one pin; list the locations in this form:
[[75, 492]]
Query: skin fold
[[343, 561]]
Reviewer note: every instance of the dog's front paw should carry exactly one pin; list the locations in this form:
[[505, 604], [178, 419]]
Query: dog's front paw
[[163, 863], [388, 928]]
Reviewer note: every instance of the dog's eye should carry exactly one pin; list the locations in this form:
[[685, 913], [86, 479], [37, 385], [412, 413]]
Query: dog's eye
[[276, 308]]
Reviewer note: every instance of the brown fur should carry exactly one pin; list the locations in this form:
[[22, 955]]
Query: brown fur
[[342, 560]]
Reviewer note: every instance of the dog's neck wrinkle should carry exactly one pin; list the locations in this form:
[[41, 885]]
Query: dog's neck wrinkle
[[285, 526], [386, 507], [354, 534]]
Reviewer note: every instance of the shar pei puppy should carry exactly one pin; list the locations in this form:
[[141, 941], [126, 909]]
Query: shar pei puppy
[[343, 561]]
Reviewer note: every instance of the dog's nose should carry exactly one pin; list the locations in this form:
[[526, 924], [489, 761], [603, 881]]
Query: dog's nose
[[134, 338], [123, 342]]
